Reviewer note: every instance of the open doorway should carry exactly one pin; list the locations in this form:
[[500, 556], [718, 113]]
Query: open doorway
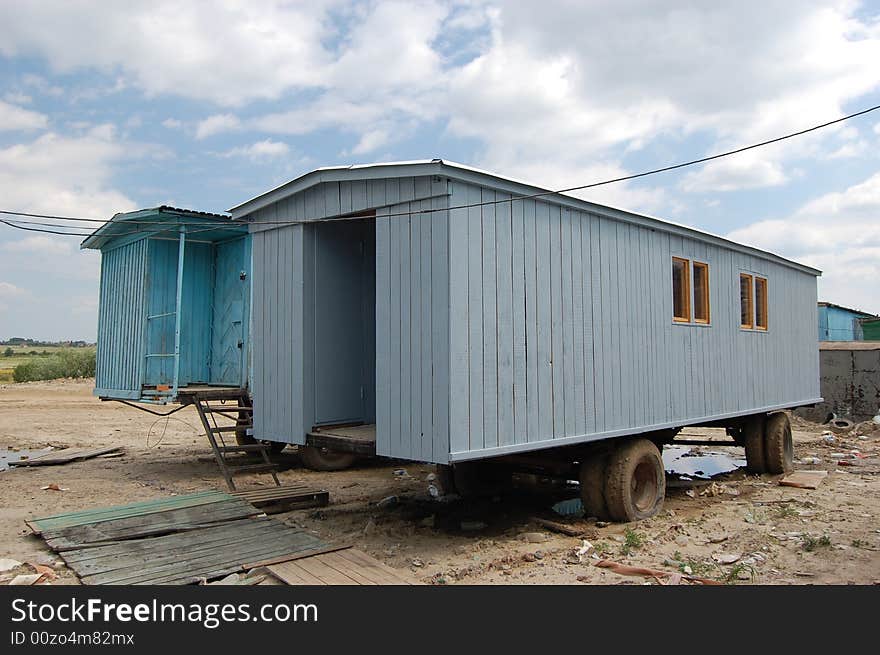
[[345, 322]]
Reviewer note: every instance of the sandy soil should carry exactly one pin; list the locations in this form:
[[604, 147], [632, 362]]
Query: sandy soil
[[779, 533]]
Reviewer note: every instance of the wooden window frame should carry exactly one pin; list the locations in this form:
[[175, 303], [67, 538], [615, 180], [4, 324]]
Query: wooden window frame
[[765, 304], [687, 291], [751, 287], [706, 294]]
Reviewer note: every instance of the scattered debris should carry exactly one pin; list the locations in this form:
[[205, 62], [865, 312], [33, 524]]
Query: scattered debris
[[54, 487], [46, 571], [534, 537], [623, 569], [388, 501], [8, 565], [726, 558], [841, 425], [572, 530], [804, 479], [66, 456], [571, 507], [25, 579]]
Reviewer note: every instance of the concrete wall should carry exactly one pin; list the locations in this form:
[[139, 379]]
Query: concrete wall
[[850, 384]]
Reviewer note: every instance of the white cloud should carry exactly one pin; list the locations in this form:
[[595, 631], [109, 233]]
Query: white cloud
[[171, 123], [17, 118], [217, 124], [38, 245], [838, 233], [228, 53], [9, 290], [747, 170], [18, 98], [266, 149], [9, 293]]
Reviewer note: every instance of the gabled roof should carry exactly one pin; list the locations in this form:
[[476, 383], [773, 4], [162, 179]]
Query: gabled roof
[[846, 309], [453, 170], [163, 221]]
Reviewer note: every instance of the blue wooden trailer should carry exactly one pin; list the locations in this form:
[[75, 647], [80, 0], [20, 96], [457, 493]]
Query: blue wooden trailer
[[434, 312]]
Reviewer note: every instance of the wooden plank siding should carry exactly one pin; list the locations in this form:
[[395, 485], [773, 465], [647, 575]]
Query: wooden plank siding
[[561, 329]]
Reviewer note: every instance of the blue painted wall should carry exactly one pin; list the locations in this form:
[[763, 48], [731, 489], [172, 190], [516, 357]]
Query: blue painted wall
[[838, 323]]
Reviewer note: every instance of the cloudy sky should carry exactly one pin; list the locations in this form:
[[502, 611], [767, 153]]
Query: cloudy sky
[[106, 107]]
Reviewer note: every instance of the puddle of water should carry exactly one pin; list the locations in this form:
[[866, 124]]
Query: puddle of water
[[7, 456], [700, 462]]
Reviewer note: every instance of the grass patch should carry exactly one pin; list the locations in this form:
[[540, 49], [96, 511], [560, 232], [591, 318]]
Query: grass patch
[[814, 543], [632, 540], [785, 512], [733, 574], [690, 566], [62, 363]]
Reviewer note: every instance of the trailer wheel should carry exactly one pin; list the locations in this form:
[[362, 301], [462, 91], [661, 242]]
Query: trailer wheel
[[778, 447], [753, 440], [635, 481], [324, 459], [592, 479]]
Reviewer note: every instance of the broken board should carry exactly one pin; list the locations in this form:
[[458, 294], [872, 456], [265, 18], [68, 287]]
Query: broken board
[[188, 557], [272, 500], [346, 566], [179, 540], [804, 479], [67, 455]]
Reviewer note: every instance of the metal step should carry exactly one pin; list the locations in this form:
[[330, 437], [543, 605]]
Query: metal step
[[227, 408]]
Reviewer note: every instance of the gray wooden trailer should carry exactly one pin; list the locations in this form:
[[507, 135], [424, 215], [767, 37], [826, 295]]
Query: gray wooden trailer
[[432, 312]]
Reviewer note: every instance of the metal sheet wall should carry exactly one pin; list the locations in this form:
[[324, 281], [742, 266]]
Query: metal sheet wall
[[121, 320]]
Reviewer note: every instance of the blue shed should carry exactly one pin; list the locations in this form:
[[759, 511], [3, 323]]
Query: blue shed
[[174, 303], [838, 323]]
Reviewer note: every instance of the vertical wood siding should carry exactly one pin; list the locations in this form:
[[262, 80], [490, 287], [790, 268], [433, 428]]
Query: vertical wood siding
[[121, 320], [412, 331], [561, 328]]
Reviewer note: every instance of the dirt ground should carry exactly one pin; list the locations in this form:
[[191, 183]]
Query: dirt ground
[[776, 534]]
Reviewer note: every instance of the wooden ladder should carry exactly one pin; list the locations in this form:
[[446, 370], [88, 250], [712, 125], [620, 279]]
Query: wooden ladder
[[209, 408]]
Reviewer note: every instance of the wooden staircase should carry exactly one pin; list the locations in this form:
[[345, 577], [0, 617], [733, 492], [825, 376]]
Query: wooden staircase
[[212, 405]]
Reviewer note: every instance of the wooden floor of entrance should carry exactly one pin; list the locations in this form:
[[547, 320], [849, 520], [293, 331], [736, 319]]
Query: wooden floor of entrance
[[358, 439]]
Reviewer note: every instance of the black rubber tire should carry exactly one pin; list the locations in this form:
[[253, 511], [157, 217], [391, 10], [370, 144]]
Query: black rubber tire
[[778, 446], [592, 479], [635, 481], [322, 459], [242, 438], [753, 440]]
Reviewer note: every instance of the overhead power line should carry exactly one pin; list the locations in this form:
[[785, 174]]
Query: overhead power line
[[540, 194]]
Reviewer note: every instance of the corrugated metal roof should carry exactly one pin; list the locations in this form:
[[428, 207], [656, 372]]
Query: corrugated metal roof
[[846, 309], [157, 220]]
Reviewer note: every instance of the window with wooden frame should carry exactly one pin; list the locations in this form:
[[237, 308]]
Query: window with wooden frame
[[701, 292], [681, 290], [746, 303], [760, 303]]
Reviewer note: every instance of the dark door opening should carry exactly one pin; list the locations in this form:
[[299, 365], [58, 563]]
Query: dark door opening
[[345, 322]]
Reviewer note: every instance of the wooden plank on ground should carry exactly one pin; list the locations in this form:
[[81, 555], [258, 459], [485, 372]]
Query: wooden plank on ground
[[278, 499], [188, 557], [804, 479], [83, 517], [146, 525], [65, 456], [339, 567]]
